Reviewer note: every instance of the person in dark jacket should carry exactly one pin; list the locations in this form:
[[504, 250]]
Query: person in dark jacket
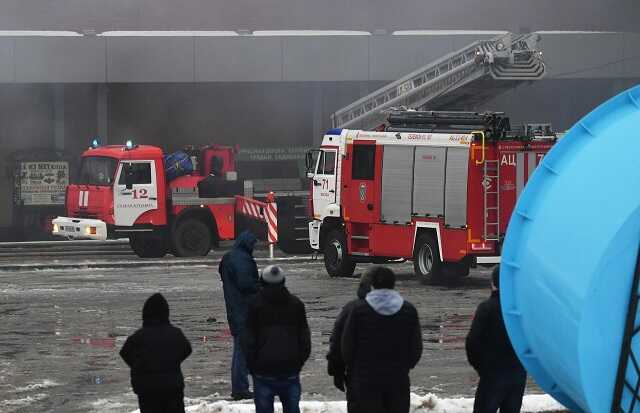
[[335, 365], [381, 343], [277, 343], [239, 275], [154, 354], [489, 351]]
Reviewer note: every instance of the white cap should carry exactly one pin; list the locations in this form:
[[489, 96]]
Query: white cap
[[272, 274]]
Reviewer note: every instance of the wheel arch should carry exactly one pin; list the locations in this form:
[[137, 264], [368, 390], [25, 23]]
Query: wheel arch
[[431, 228], [202, 214], [328, 225]]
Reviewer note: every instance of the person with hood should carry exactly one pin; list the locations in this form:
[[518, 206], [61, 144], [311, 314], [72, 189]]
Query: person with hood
[[277, 343], [154, 354], [335, 365], [490, 353], [239, 275], [381, 343]]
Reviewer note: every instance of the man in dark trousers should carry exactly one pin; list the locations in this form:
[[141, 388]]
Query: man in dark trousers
[[239, 275], [489, 351], [154, 354], [381, 343], [335, 365], [277, 343]]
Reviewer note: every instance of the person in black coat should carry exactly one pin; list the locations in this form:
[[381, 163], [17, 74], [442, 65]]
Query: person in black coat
[[239, 275], [335, 364], [277, 342], [154, 354], [489, 351], [381, 343]]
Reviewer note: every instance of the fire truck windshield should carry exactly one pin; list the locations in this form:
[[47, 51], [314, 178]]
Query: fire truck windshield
[[97, 170]]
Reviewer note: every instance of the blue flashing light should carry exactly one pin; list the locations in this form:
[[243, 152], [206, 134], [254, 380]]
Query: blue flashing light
[[334, 131], [95, 142], [129, 144]]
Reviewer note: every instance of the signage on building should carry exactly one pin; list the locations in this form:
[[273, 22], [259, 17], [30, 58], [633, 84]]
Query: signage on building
[[42, 183], [287, 153]]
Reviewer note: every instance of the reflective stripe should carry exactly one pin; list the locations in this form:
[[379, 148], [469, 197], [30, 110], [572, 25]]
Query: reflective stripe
[[519, 173]]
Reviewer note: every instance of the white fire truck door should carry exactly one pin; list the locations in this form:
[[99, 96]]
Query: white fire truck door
[[324, 182], [142, 196]]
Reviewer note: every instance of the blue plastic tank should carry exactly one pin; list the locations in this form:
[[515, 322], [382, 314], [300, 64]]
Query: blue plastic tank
[[570, 254]]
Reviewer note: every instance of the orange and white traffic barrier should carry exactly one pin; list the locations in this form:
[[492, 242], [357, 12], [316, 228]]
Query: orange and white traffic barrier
[[272, 222], [263, 211]]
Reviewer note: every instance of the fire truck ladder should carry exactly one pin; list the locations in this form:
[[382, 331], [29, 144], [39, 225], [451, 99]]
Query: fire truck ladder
[[459, 80], [491, 185]]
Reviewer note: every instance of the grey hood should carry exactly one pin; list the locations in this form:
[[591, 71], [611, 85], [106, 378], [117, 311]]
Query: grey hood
[[385, 302]]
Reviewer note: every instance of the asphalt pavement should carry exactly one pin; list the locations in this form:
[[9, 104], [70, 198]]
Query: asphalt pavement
[[62, 328]]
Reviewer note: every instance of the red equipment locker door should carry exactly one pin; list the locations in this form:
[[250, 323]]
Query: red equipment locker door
[[361, 183]]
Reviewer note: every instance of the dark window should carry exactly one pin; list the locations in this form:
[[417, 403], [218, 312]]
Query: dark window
[[140, 173], [320, 169], [329, 163], [363, 164], [96, 170]]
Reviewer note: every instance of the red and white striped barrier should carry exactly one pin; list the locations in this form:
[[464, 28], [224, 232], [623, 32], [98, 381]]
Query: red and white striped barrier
[[250, 207], [264, 211], [272, 222]]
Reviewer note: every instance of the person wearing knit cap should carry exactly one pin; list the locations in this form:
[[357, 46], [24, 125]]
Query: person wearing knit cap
[[154, 354], [489, 351], [335, 364], [277, 343]]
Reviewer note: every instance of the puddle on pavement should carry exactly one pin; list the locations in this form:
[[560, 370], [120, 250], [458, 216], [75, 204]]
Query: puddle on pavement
[[449, 329], [107, 343]]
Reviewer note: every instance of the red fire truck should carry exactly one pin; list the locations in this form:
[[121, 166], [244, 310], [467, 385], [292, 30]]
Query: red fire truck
[[162, 204], [437, 188]]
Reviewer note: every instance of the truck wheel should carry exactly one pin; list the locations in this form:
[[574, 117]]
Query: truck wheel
[[191, 238], [426, 258], [148, 245], [336, 258]]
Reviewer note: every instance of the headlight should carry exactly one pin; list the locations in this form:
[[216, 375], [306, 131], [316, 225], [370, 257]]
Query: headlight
[[56, 228]]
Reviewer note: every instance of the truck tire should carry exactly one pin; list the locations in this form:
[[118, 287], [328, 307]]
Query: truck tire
[[426, 259], [336, 258], [148, 245], [191, 238]]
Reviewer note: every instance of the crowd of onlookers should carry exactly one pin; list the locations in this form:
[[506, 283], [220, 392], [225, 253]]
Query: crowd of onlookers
[[375, 342]]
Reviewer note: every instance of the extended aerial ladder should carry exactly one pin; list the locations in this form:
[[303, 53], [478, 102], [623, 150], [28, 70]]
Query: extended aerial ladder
[[458, 81]]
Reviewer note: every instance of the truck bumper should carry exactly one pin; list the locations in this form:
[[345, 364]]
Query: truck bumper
[[79, 228], [314, 234]]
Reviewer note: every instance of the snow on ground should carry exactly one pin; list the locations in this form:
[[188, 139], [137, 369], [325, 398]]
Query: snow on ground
[[44, 384], [536, 403]]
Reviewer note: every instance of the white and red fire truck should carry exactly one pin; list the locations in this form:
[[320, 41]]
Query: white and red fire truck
[[437, 188], [125, 191]]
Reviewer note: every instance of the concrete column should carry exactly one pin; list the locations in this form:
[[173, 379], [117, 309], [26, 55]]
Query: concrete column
[[102, 110], [58, 116], [317, 116]]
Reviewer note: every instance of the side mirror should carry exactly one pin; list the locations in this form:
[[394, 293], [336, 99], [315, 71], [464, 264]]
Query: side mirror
[[310, 175], [309, 163], [127, 170]]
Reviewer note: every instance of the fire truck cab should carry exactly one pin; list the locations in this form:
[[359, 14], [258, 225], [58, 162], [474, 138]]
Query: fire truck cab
[[437, 188]]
